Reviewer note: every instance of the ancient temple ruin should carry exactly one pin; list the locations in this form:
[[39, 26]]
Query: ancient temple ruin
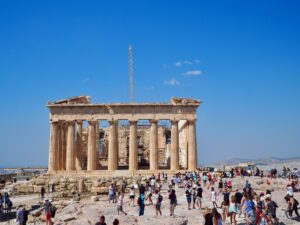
[[122, 136]]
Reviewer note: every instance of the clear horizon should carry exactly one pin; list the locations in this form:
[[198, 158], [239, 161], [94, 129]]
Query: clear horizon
[[241, 58]]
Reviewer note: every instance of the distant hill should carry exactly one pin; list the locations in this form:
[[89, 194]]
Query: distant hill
[[261, 161]]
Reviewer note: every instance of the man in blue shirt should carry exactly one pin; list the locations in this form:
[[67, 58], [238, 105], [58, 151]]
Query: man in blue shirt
[[141, 203]]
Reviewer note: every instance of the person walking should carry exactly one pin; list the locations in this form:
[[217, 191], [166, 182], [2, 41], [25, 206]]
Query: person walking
[[194, 194], [250, 211], [270, 209], [217, 218], [188, 195], [220, 186], [42, 193], [293, 206], [9, 206], [19, 215], [158, 201], [120, 204], [142, 189], [141, 204], [110, 193], [225, 203], [132, 196], [6, 201], [25, 215], [213, 197], [173, 202], [238, 197], [123, 187], [199, 197], [48, 212], [233, 210], [208, 217]]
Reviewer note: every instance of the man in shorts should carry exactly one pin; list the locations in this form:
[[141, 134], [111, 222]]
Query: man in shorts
[[199, 197], [158, 201], [225, 203], [270, 209]]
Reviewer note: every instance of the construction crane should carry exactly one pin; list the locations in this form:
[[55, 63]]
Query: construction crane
[[131, 83]]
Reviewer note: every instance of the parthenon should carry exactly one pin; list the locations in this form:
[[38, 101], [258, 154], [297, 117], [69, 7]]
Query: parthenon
[[76, 147]]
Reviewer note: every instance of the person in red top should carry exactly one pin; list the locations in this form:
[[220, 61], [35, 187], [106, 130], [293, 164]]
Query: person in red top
[[209, 176], [48, 214]]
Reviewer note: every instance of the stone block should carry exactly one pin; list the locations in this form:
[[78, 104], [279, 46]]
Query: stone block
[[67, 218], [71, 186], [94, 198], [37, 212], [22, 189], [40, 182], [72, 180], [37, 189], [100, 190], [63, 180], [96, 184]]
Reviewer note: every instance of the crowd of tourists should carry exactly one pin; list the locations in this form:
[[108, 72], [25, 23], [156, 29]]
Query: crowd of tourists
[[247, 204], [228, 204], [6, 207]]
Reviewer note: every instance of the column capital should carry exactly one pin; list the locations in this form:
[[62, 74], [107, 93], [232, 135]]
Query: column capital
[[53, 122], [133, 121], [153, 121], [64, 124], [192, 121], [70, 122], [79, 122], [174, 121], [92, 122], [112, 121]]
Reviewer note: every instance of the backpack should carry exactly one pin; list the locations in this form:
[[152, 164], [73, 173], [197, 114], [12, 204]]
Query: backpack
[[138, 200], [52, 211], [160, 198], [25, 214], [9, 203]]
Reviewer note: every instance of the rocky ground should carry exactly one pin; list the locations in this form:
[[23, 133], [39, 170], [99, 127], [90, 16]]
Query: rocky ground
[[88, 210]]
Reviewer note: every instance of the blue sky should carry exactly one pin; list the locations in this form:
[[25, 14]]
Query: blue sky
[[241, 58]]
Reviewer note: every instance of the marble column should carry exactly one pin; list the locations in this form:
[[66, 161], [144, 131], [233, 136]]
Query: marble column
[[79, 146], [113, 148], [52, 147], [133, 151], [91, 154], [174, 146], [153, 146], [186, 146], [70, 161], [192, 151], [64, 145], [59, 146]]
